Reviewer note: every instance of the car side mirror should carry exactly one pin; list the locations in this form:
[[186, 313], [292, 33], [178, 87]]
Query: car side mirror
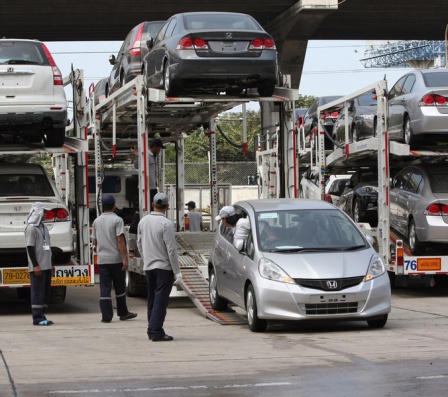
[[112, 60], [150, 43], [369, 238]]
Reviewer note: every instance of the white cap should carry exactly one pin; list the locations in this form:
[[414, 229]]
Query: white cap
[[225, 212]]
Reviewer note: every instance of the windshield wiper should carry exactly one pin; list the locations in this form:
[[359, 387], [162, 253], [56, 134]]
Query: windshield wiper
[[20, 61], [355, 247], [303, 249]]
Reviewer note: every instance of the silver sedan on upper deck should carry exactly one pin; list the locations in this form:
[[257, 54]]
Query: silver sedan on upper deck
[[303, 260], [418, 107]]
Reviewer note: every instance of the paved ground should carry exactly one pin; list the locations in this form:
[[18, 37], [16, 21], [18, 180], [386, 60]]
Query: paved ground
[[79, 355]]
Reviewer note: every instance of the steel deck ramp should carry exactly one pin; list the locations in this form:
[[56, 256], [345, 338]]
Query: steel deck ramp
[[196, 287], [195, 250]]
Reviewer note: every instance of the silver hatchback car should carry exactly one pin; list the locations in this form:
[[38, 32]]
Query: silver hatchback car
[[419, 205], [303, 260]]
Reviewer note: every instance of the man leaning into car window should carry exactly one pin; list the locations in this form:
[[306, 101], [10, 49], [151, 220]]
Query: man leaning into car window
[[239, 224]]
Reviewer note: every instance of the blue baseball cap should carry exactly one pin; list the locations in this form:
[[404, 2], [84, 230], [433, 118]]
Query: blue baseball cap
[[108, 199]]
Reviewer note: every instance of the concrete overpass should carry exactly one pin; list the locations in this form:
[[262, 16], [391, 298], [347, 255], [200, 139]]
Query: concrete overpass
[[291, 22]]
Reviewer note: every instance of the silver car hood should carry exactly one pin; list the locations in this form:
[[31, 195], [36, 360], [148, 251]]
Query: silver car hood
[[318, 265]]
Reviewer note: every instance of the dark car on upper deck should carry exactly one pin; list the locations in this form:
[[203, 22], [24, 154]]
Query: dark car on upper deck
[[212, 52]]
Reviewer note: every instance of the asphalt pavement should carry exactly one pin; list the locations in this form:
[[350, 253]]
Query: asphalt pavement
[[80, 356]]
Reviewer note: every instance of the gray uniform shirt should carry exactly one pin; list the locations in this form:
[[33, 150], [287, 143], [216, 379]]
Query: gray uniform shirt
[[156, 242], [195, 218], [37, 237], [106, 228]]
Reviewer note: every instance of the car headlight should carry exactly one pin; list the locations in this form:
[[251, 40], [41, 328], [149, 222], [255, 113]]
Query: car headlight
[[271, 271], [369, 190], [376, 268]]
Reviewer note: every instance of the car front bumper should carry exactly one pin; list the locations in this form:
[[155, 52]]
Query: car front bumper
[[280, 301]]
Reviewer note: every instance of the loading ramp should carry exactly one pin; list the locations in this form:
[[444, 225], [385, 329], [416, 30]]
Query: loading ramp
[[195, 249]]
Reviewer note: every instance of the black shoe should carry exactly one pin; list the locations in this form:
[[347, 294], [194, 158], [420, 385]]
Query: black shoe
[[164, 338], [105, 321], [128, 316]]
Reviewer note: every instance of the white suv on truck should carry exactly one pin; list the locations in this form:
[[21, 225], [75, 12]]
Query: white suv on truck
[[21, 185], [32, 98]]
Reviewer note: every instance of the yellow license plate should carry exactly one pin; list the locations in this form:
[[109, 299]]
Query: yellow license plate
[[429, 264], [16, 276]]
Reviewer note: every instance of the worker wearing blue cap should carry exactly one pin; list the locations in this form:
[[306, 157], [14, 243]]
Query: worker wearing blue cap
[[110, 245]]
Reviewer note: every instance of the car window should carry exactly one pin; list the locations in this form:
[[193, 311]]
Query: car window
[[400, 180], [170, 28], [20, 52], [226, 232], [439, 79], [396, 89], [415, 181], [220, 21], [151, 30], [367, 100], [161, 34], [439, 182], [25, 185], [408, 84], [110, 184]]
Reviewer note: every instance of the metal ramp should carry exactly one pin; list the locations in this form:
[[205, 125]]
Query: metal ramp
[[195, 249]]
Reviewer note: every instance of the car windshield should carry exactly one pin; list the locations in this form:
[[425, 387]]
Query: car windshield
[[439, 79], [328, 99], [307, 230], [220, 21], [25, 185]]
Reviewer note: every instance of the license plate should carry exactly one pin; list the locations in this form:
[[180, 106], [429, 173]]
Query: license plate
[[16, 276], [336, 298], [429, 264], [64, 275]]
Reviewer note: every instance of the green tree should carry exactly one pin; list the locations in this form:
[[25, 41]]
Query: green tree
[[304, 101], [229, 143]]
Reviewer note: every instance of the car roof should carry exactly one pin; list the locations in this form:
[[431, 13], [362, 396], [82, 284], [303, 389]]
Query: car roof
[[284, 204]]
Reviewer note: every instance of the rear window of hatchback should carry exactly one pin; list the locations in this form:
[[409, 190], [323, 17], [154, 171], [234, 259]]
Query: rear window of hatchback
[[22, 52]]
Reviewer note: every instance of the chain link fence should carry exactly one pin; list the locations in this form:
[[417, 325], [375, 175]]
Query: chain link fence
[[233, 173]]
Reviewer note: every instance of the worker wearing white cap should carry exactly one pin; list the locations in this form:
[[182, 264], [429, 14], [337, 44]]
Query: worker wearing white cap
[[240, 225]]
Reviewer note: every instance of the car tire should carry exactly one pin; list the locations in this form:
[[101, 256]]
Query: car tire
[[255, 323], [357, 213], [57, 294], [415, 245], [132, 286], [55, 137], [170, 86], [409, 136], [266, 88], [378, 323], [216, 302]]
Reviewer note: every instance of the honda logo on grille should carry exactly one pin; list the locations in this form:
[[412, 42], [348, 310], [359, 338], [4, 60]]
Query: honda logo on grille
[[332, 284], [17, 208], [10, 70], [229, 35]]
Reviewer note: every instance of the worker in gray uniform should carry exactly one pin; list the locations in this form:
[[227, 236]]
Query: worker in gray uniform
[[157, 245], [110, 245], [38, 246]]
